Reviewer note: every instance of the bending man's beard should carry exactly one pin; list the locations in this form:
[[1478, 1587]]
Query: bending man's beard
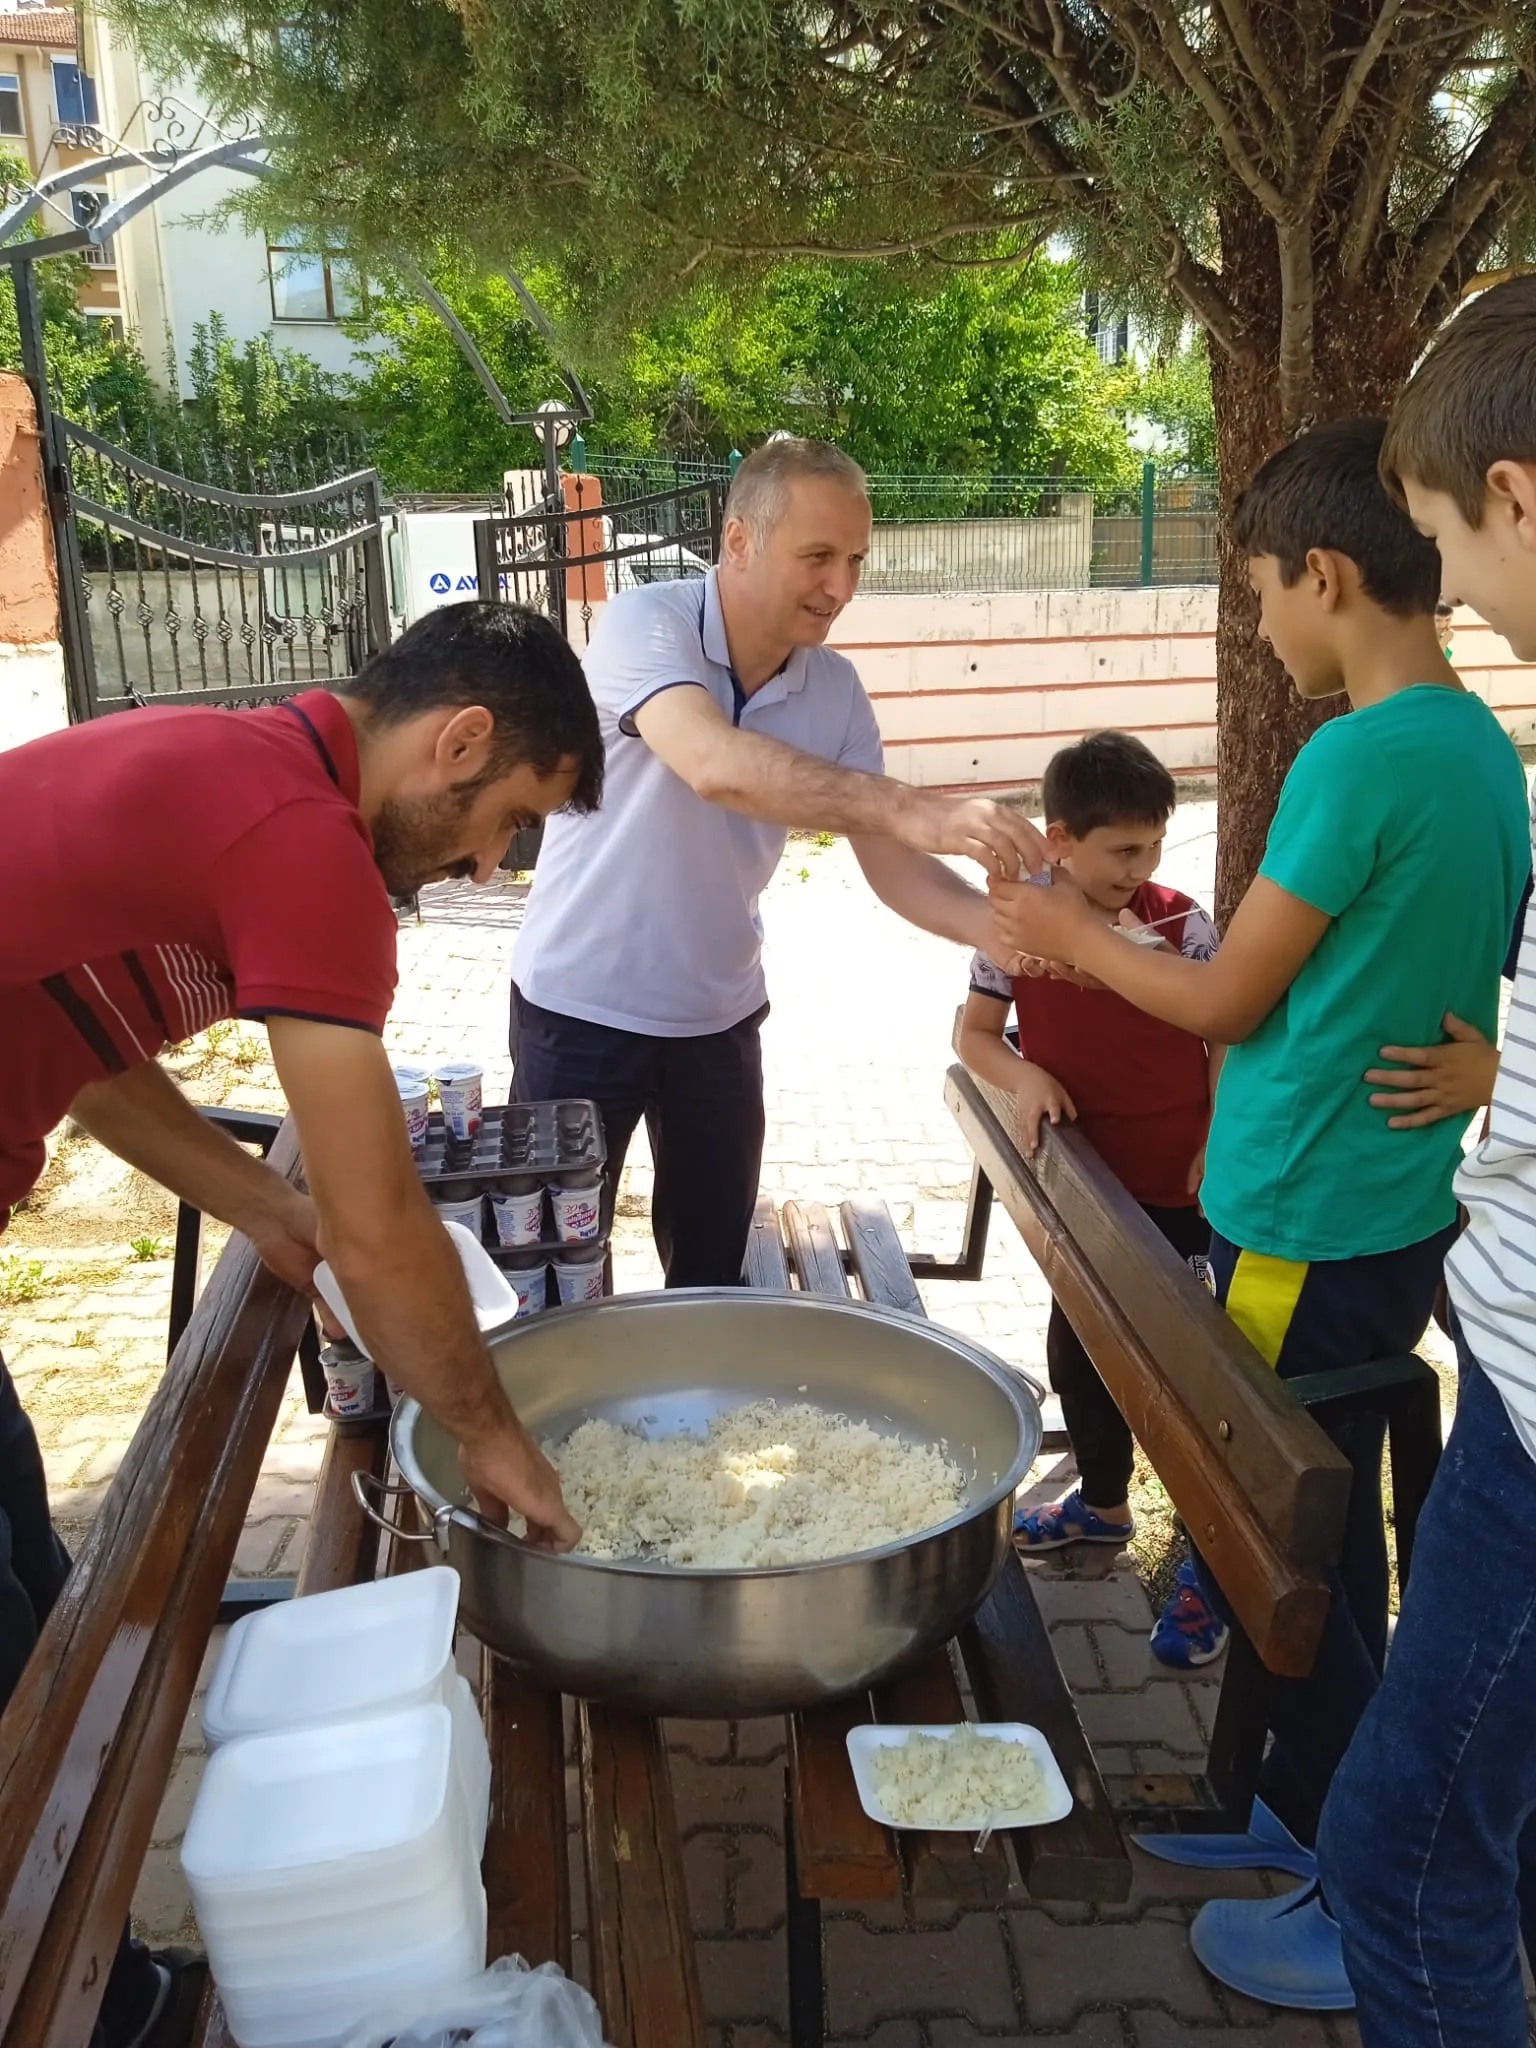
[[417, 843]]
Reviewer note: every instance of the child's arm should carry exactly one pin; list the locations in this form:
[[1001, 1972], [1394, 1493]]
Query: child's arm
[[1222, 1001], [991, 1058], [1432, 1082], [1215, 1055]]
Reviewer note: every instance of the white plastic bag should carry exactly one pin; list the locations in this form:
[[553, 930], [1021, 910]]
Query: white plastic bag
[[509, 2006]]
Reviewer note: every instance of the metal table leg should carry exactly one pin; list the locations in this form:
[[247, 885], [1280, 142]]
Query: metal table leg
[[802, 1941]]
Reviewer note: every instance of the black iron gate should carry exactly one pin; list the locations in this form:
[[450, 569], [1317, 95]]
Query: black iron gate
[[566, 556], [174, 591]]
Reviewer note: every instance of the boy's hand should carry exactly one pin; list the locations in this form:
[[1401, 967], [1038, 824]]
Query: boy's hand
[[1196, 1173], [1040, 1096], [1044, 923], [1432, 1082]]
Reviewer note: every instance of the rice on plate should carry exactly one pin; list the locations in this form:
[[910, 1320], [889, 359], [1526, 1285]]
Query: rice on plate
[[766, 1485], [947, 1781]]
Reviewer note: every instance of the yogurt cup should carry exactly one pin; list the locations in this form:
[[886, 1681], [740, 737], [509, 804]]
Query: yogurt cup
[[459, 1096], [413, 1100], [394, 1390], [530, 1284], [410, 1070], [518, 1218], [349, 1379], [470, 1212], [578, 1212], [581, 1279]]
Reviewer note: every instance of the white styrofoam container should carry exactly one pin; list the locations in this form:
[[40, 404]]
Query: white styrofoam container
[[373, 1794], [1055, 1801], [309, 2016], [492, 1298], [372, 1648]]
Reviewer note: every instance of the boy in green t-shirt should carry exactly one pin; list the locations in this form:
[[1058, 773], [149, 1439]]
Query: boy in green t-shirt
[[1385, 899]]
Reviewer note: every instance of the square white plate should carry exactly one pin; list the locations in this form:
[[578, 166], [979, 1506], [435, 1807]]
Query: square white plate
[[1054, 1803]]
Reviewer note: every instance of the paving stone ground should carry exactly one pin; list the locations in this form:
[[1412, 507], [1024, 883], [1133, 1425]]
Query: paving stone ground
[[856, 1049]]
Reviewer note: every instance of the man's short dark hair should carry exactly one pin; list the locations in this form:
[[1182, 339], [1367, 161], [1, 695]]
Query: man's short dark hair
[[1325, 491], [1109, 778], [1471, 402], [509, 659]]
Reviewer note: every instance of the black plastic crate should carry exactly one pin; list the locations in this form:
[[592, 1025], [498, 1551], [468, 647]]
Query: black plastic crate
[[518, 1145]]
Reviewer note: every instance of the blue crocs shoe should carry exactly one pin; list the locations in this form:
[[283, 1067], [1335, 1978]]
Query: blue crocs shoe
[[1285, 1951], [1189, 1631], [1267, 1845], [1066, 1521]]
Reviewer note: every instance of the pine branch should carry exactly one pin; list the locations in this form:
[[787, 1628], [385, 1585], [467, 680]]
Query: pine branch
[[1202, 88], [1494, 159], [1365, 61]]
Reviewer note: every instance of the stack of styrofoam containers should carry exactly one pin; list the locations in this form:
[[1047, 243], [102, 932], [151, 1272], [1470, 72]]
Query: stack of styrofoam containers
[[334, 1847]]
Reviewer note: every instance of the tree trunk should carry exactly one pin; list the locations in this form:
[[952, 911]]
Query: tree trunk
[[1363, 354]]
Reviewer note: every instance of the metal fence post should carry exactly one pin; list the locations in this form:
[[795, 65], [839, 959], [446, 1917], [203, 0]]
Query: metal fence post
[[734, 459], [1148, 515]]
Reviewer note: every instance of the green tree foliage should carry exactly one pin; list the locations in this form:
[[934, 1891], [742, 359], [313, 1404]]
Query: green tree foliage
[[253, 411], [1174, 392], [91, 373], [973, 374]]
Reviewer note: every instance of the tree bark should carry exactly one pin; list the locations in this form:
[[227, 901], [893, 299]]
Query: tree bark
[[1363, 352]]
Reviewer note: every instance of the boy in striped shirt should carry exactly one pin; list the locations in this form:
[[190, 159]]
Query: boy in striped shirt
[[1428, 1843]]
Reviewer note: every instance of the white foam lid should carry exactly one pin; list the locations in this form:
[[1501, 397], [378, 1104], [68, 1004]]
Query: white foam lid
[[493, 1300], [384, 1644], [308, 1796]]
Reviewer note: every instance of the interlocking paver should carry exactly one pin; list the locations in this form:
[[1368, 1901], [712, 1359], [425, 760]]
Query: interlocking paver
[[1094, 2030], [1272, 2030], [1063, 1969], [878, 1976]]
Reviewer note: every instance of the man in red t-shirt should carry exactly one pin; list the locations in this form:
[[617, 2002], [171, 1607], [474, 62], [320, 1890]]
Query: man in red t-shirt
[[1140, 1091], [167, 868]]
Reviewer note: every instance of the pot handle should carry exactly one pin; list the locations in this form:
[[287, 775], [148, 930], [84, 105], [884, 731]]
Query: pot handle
[[361, 1482]]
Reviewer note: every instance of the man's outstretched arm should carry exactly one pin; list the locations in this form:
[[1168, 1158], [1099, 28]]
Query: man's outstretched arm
[[768, 779]]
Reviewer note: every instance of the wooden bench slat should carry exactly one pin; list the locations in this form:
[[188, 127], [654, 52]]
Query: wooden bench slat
[[813, 1248], [940, 1864], [840, 1853], [645, 1974], [527, 1853], [342, 1547], [877, 1256], [87, 1741], [1015, 1677], [1198, 1372], [766, 1266]]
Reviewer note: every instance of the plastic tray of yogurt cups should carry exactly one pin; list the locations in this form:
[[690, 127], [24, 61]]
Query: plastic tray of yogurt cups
[[1052, 1799], [532, 1143]]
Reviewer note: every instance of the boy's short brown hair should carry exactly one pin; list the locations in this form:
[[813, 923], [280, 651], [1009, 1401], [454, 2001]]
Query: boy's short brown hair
[[1471, 402]]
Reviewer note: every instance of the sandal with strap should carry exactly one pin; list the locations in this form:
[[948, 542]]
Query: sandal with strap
[[1062, 1522]]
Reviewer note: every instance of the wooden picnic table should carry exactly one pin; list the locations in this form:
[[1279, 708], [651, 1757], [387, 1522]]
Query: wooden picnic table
[[88, 1742]]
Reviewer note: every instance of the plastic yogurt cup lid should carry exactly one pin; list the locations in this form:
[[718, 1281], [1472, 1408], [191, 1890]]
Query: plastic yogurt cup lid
[[458, 1070]]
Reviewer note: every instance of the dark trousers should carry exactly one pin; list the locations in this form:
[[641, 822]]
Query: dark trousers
[[33, 1567], [1346, 1312], [1101, 1442], [702, 1100], [1428, 1842]]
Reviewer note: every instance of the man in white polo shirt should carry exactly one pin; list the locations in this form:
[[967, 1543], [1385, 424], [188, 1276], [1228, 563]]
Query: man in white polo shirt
[[638, 979]]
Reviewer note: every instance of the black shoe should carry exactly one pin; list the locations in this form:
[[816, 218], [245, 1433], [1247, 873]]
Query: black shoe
[[183, 1974]]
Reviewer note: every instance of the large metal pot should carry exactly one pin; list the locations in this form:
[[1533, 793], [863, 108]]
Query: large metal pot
[[689, 1642]]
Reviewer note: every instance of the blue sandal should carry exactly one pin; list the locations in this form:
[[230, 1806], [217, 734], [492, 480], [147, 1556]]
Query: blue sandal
[[1062, 1522]]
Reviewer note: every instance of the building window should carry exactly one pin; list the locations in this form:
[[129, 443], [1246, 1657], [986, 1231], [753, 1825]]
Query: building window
[[74, 94], [10, 104], [87, 203], [309, 284], [1110, 332]]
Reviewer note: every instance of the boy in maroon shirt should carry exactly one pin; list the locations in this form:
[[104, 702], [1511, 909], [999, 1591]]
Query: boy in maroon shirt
[[1139, 1090]]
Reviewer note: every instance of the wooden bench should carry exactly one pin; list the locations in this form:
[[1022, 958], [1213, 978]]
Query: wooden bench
[[88, 1741], [1258, 1483], [833, 1851]]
